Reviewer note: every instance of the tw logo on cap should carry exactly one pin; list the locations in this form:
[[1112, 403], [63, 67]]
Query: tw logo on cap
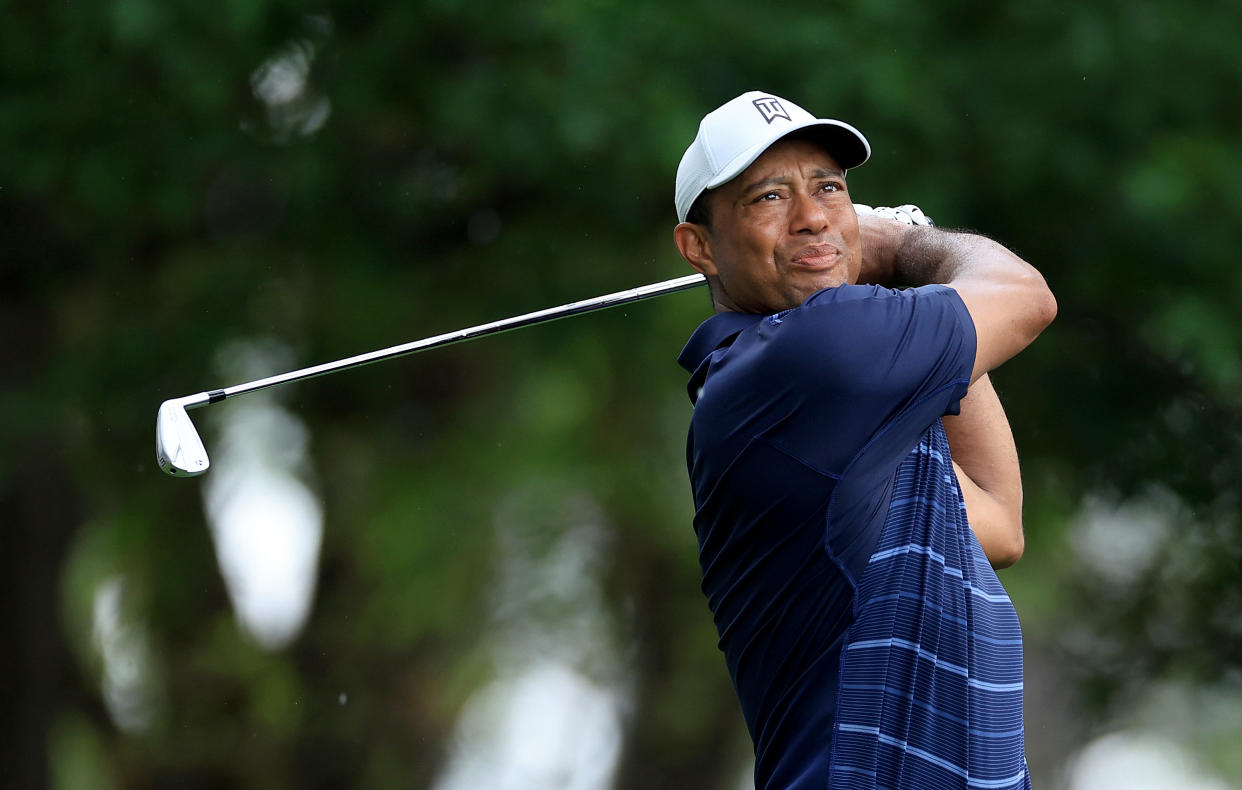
[[771, 109]]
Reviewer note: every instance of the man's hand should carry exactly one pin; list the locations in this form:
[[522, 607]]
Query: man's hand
[[908, 214]]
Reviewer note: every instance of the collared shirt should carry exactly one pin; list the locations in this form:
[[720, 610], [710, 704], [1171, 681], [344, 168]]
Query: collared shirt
[[869, 640]]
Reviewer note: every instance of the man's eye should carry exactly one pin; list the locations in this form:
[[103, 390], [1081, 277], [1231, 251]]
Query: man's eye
[[768, 196], [831, 188]]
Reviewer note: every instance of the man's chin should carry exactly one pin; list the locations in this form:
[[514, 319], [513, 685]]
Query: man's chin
[[818, 284]]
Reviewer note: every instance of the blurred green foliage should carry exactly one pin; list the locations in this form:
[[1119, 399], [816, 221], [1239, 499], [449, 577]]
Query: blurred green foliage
[[419, 167]]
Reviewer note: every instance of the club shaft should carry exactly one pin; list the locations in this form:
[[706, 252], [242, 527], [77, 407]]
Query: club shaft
[[470, 333]]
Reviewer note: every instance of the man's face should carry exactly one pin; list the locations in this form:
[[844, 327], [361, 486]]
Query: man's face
[[782, 230]]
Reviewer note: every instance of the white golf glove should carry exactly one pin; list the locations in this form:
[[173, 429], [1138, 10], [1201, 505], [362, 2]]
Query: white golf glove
[[907, 214]]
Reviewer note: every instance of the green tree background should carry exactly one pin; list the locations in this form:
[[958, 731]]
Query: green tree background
[[196, 194]]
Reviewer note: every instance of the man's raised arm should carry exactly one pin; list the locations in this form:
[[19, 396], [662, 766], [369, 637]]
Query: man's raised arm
[[1010, 304], [1007, 299]]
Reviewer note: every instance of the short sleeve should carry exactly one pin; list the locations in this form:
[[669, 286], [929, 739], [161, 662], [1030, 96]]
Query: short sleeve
[[871, 368]]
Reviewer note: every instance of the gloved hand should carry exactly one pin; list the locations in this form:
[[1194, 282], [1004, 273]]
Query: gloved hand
[[907, 215]]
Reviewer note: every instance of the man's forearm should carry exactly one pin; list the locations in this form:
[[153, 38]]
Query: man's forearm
[[900, 256], [932, 255], [1007, 298]]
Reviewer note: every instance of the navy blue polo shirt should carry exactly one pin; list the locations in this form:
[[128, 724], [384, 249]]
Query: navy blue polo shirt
[[869, 641]]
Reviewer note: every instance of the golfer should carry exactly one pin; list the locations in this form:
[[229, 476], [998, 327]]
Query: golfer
[[855, 480]]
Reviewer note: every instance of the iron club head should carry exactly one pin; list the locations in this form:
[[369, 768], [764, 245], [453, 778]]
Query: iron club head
[[178, 448]]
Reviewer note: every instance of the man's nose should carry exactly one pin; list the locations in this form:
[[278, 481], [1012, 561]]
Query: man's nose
[[807, 215]]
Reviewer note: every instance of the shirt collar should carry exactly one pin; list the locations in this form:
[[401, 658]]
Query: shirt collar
[[713, 333], [717, 331]]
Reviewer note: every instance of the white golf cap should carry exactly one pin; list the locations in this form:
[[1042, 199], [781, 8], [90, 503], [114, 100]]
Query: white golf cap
[[736, 133]]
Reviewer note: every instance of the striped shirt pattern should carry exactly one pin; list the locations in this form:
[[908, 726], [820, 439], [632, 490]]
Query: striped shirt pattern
[[931, 673]]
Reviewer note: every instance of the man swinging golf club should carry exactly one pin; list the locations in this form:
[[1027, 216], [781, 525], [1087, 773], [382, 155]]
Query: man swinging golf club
[[854, 476]]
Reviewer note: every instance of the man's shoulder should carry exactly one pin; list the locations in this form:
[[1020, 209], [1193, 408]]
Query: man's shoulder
[[873, 296], [867, 319], [847, 316], [848, 337], [863, 340]]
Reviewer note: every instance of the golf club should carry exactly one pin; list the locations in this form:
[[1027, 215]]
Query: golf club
[[179, 449]]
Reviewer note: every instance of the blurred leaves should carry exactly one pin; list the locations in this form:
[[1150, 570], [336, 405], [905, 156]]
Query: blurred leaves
[[175, 177]]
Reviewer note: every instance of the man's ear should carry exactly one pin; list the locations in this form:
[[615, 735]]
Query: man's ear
[[695, 246]]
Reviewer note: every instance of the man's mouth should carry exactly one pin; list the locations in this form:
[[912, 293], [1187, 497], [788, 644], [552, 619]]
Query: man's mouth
[[817, 256]]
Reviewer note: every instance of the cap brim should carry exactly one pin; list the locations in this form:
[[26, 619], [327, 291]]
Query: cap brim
[[843, 143]]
